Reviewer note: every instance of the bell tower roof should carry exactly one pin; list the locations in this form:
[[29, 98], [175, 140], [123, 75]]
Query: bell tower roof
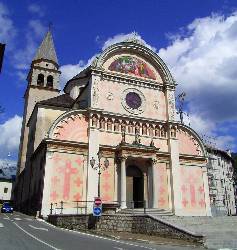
[[47, 49]]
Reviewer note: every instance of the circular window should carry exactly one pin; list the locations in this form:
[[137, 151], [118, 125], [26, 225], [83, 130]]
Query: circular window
[[133, 100]]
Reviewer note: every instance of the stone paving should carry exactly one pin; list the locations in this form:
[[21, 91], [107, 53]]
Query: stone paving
[[220, 232]]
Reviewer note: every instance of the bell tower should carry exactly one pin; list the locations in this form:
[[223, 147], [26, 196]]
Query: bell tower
[[43, 83]]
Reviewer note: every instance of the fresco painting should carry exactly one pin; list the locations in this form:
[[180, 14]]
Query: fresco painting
[[67, 178], [133, 66], [107, 183], [163, 193], [192, 189]]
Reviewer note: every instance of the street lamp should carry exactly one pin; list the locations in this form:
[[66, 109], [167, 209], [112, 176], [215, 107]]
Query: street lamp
[[99, 167]]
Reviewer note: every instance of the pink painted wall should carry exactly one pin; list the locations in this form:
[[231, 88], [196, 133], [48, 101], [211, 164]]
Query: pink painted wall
[[72, 129], [163, 192], [66, 183], [107, 185], [192, 189], [188, 144]]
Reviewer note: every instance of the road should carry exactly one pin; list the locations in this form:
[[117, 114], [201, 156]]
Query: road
[[19, 231]]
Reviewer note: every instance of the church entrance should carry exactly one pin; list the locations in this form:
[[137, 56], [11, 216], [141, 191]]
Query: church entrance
[[135, 187]]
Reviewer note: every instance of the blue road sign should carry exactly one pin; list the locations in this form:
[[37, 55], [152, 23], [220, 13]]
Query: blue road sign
[[97, 211]]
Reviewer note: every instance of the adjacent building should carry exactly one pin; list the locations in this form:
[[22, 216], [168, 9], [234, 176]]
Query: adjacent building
[[117, 115], [5, 189], [221, 182]]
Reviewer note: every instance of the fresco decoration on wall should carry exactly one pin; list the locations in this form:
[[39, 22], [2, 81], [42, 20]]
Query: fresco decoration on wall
[[192, 189], [163, 193], [107, 183], [67, 178], [133, 66], [72, 128]]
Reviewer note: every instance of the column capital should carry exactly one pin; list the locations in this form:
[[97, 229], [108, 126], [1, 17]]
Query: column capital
[[153, 160], [122, 158]]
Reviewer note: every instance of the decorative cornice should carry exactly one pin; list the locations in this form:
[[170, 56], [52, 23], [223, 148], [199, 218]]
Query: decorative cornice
[[47, 69]]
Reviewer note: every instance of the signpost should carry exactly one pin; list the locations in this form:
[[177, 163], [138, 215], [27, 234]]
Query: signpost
[[97, 207]]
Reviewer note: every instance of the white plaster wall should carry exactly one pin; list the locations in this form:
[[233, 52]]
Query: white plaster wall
[[5, 196]]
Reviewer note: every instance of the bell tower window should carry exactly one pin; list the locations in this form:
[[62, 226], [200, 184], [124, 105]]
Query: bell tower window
[[40, 80], [49, 81]]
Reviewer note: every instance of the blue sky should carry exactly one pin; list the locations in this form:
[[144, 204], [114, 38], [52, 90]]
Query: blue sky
[[197, 40]]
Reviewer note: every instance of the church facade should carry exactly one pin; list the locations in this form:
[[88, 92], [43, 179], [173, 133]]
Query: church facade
[[111, 134]]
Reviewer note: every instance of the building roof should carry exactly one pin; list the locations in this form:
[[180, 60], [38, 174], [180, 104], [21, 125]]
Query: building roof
[[221, 152], [47, 49], [60, 101]]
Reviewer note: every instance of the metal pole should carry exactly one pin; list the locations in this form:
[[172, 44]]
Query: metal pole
[[99, 173], [61, 207], [144, 206], [51, 208]]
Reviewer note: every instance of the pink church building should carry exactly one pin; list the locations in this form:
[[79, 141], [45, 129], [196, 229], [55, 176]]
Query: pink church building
[[119, 114]]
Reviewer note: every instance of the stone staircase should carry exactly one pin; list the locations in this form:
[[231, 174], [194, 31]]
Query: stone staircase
[[149, 211], [219, 232]]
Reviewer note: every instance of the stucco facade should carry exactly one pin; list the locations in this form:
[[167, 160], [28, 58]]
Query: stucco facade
[[122, 108]]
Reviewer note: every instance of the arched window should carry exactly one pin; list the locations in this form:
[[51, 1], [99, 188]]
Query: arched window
[[102, 123], [150, 131], [50, 81], [94, 121], [144, 129], [40, 80], [109, 124], [116, 125], [130, 127]]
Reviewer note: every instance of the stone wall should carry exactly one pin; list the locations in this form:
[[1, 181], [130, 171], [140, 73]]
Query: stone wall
[[144, 224]]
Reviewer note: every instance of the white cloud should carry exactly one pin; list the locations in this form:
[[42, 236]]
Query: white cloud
[[7, 30], [122, 37], [10, 136], [203, 61], [22, 58], [36, 9], [70, 70], [37, 27]]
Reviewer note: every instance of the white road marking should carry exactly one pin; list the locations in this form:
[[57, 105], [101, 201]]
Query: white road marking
[[39, 228], [98, 237], [32, 236], [29, 219], [17, 219], [119, 248], [1, 225], [6, 218]]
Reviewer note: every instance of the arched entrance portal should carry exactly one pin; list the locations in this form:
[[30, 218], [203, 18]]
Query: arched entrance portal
[[135, 186]]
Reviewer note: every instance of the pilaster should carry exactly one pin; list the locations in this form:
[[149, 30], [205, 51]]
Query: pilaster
[[170, 103], [175, 176]]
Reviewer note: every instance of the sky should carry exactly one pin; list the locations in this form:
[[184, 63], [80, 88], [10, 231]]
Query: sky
[[196, 39]]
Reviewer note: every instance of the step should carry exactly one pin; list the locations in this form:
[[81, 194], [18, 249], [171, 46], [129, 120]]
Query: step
[[154, 212]]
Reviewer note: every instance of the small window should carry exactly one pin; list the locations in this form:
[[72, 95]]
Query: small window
[[5, 190], [40, 80], [50, 81]]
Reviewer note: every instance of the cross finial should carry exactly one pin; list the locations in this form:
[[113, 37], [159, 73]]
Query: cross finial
[[50, 26]]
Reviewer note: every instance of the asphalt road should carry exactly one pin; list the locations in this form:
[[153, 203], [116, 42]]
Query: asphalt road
[[19, 231]]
